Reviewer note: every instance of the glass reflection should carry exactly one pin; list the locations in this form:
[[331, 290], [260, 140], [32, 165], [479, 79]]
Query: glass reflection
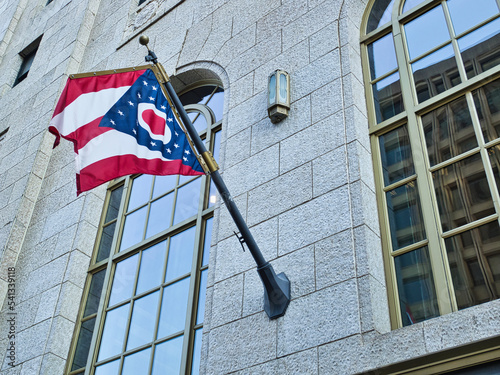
[[487, 103], [137, 363], [435, 73], [448, 131], [173, 308], [395, 152], [481, 48], [114, 204], [405, 216], [106, 241], [466, 14], [123, 281], [151, 269], [167, 359], [83, 344], [143, 321], [216, 103], [113, 333], [180, 254], [202, 297], [410, 4], [187, 201], [417, 293], [141, 189], [198, 120], [471, 256], [387, 97], [110, 368], [133, 230], [195, 369], [94, 295], [382, 56], [164, 184], [462, 193], [380, 14], [160, 215], [426, 32], [206, 243]]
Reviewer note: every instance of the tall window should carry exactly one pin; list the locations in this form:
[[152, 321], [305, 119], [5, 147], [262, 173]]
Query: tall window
[[145, 296], [432, 78], [28, 55]]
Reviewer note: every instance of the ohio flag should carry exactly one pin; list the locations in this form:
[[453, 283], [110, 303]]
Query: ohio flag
[[121, 124]]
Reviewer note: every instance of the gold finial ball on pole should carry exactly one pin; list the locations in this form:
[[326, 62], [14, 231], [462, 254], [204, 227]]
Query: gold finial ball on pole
[[144, 40]]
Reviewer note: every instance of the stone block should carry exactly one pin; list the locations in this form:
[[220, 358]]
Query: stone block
[[369, 258], [47, 305], [327, 101], [280, 194], [31, 341], [360, 164], [63, 218], [31, 367], [374, 310], [334, 259], [52, 364], [254, 335], [319, 318], [315, 220], [77, 266], [312, 142], [249, 173], [45, 277], [237, 148], [247, 113], [329, 171], [272, 22], [324, 41], [59, 340], [364, 205], [68, 302], [227, 302]]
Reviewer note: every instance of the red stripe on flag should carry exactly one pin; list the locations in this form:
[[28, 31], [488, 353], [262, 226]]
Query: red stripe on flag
[[108, 169], [78, 86]]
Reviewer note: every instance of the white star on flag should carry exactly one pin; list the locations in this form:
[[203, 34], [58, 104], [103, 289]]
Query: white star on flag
[[186, 152], [151, 98], [169, 150], [154, 88], [153, 144], [130, 103], [112, 122], [185, 158], [176, 145], [163, 107], [120, 113], [145, 83], [139, 95], [170, 119]]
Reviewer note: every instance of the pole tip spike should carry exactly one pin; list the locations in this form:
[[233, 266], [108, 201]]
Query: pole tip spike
[[144, 40]]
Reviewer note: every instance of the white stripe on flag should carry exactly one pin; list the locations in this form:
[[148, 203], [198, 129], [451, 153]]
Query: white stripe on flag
[[86, 108], [113, 143]]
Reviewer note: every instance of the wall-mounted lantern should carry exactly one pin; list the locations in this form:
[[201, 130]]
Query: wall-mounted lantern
[[278, 103]]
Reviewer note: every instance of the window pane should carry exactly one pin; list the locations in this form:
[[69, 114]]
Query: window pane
[[216, 104], [106, 241], [167, 359], [151, 269], [113, 333], [387, 97], [123, 281], [110, 368], [188, 198], [202, 297], [417, 294], [137, 363], [206, 243], [160, 215], [426, 32], [481, 48], [83, 344], [448, 131], [180, 254], [141, 189], [382, 56], [173, 308], [94, 295], [133, 230], [198, 120], [380, 14], [164, 184], [395, 150], [195, 369], [473, 273], [410, 4], [466, 14], [405, 216], [487, 102], [462, 192], [437, 72], [143, 321], [114, 204]]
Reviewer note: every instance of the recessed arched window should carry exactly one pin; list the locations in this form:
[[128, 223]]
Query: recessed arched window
[[144, 302], [432, 79]]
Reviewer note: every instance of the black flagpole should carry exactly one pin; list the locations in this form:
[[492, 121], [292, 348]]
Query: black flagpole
[[276, 287]]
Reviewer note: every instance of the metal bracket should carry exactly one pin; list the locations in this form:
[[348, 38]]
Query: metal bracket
[[241, 239]]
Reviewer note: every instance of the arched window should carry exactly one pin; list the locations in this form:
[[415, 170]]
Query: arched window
[[143, 306], [432, 79]]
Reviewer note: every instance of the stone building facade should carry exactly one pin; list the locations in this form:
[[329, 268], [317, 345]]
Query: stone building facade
[[306, 187]]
